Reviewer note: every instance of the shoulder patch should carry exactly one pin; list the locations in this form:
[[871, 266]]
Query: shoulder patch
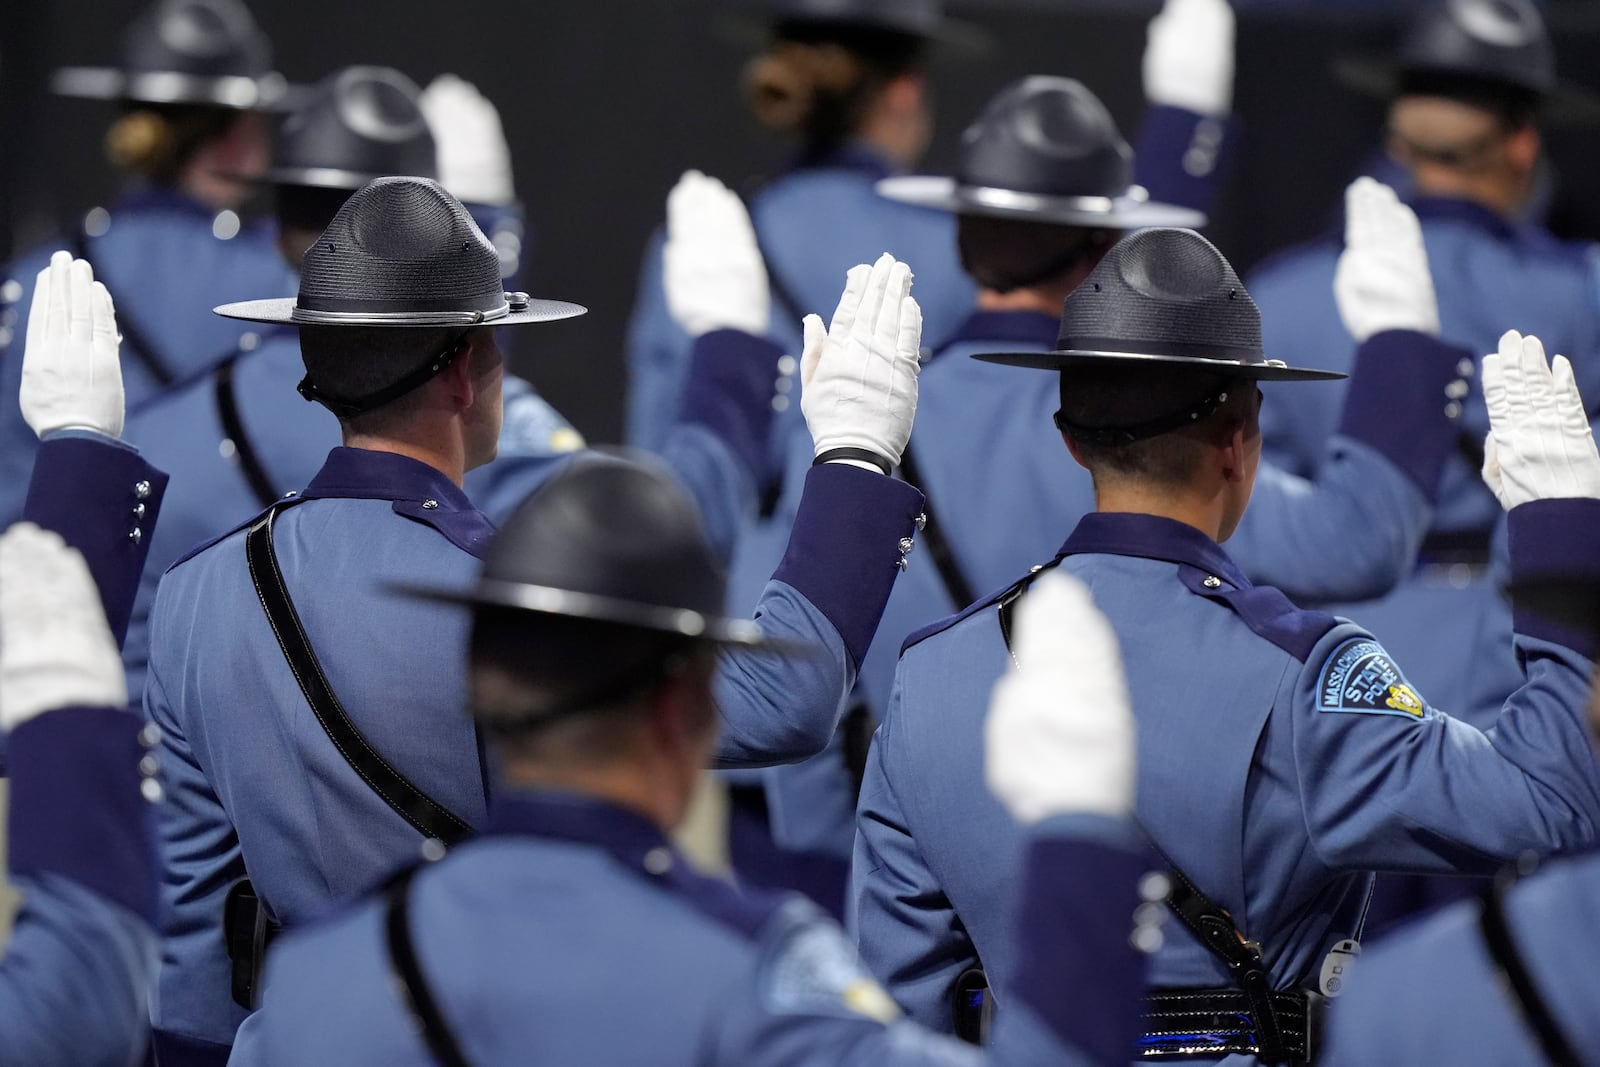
[[814, 970], [1360, 677]]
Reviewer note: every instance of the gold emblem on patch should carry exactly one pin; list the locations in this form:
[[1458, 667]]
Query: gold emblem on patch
[[1403, 698], [868, 998]]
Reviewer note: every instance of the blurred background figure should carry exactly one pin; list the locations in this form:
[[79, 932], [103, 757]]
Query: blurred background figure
[[193, 88]]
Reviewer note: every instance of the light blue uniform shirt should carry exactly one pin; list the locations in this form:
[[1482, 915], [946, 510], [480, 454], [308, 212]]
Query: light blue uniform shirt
[[167, 261], [571, 933], [1448, 624], [1282, 755]]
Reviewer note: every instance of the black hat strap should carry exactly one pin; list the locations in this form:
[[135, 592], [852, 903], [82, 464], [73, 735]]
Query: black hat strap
[[1139, 431], [430, 368]]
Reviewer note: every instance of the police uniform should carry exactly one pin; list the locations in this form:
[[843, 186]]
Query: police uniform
[[370, 517], [75, 975], [1353, 533], [580, 906], [1282, 753], [1447, 622], [167, 257]]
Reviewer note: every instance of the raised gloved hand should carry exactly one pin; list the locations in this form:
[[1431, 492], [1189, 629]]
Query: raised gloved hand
[[1188, 61], [858, 378], [474, 159], [1383, 282], [1060, 737], [56, 650], [1539, 446], [713, 272], [71, 376]]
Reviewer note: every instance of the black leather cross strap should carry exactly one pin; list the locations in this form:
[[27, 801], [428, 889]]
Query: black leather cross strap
[[414, 987], [135, 341], [939, 550], [1502, 946], [244, 450], [429, 817]]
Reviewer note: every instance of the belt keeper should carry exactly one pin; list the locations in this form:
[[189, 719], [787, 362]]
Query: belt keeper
[[864, 454]]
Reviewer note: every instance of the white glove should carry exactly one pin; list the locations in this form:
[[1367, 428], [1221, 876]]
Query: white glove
[[1188, 61], [1060, 736], [71, 377], [474, 159], [1383, 282], [56, 650], [714, 276], [858, 378], [1540, 446]]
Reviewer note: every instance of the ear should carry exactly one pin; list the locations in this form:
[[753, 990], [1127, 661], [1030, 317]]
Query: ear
[[907, 92], [457, 379], [1231, 450], [1077, 457], [1522, 148]]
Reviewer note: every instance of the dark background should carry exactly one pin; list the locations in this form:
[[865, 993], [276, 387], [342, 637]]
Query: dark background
[[605, 102]]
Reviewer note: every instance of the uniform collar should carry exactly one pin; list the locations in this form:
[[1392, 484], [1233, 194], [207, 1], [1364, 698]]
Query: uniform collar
[[852, 155], [162, 198], [574, 817], [1449, 209], [1030, 328], [1151, 537], [363, 474]]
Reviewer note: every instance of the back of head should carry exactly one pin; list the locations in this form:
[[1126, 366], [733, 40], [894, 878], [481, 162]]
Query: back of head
[[817, 80], [190, 69]]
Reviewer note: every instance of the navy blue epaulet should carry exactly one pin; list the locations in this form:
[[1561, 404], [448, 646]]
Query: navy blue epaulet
[[1267, 612], [748, 912], [948, 622], [203, 545]]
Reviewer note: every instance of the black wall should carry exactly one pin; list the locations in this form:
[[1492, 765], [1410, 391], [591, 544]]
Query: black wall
[[605, 102]]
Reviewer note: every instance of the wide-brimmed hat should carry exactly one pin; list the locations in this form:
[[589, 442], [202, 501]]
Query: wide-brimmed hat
[[202, 52], [402, 252], [922, 19], [610, 538], [1472, 47], [1162, 298], [362, 123], [1044, 150]]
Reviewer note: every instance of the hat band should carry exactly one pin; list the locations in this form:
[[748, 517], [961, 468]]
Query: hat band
[[1016, 200], [1163, 349], [312, 316]]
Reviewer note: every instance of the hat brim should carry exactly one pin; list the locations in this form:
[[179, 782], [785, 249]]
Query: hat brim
[[284, 311], [1380, 76], [950, 39], [548, 600], [1129, 212], [1071, 359], [269, 92]]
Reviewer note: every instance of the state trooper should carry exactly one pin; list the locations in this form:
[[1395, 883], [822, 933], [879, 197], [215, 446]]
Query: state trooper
[[1041, 192], [241, 436], [1468, 90], [337, 764], [75, 975], [596, 624], [194, 83], [1283, 754]]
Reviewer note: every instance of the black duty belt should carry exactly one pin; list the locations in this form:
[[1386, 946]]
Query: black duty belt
[[1220, 1022]]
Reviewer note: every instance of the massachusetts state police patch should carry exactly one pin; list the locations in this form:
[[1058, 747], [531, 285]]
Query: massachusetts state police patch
[[1360, 677]]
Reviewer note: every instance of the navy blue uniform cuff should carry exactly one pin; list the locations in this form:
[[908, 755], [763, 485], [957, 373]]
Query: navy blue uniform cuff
[[1181, 156], [179, 1050], [95, 493], [1396, 402], [729, 391], [1554, 539], [76, 806], [844, 550], [1081, 977]]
